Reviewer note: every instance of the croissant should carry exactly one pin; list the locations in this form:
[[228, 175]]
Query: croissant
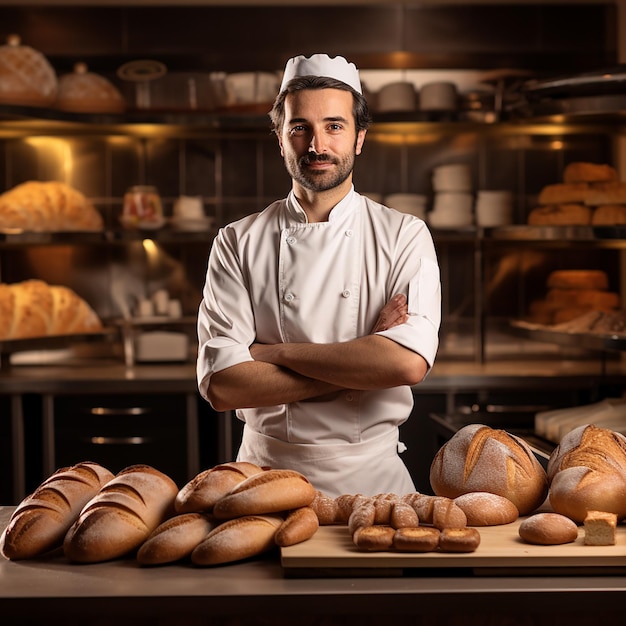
[[33, 308], [48, 207]]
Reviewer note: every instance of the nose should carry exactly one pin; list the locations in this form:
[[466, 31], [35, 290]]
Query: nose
[[317, 144]]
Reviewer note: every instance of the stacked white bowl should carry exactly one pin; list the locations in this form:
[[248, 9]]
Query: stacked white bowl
[[494, 208], [411, 203], [453, 200]]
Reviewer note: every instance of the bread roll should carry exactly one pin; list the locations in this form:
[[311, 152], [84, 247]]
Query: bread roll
[[270, 491], [299, 525], [362, 516], [325, 508], [486, 509], [611, 194], [609, 215], [33, 308], [548, 529], [374, 538], [600, 528], [416, 539], [564, 193], [587, 471], [40, 521], [121, 516], [174, 539], [560, 215], [237, 539], [583, 172], [578, 279], [439, 511], [204, 490], [403, 515], [82, 91], [480, 458], [346, 504], [48, 206], [459, 540]]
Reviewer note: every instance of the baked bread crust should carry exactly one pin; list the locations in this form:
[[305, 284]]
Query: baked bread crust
[[584, 172], [548, 529]]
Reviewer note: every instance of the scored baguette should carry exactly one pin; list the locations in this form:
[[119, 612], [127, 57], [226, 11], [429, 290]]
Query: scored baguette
[[299, 525], [237, 539], [271, 491], [174, 539], [204, 490], [121, 516], [40, 521]]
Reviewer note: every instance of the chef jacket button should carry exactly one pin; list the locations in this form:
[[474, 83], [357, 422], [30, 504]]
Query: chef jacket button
[[291, 240], [349, 233], [345, 293], [349, 397], [289, 297]]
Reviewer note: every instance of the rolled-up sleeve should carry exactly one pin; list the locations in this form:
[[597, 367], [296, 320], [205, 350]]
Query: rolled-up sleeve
[[226, 326]]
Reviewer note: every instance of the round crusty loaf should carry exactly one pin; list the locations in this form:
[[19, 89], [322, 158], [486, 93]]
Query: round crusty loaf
[[583, 172], [578, 279], [560, 215], [204, 490], [237, 539], [271, 491], [548, 529], [480, 458], [121, 516], [609, 215], [174, 539], [587, 471], [486, 509], [40, 521]]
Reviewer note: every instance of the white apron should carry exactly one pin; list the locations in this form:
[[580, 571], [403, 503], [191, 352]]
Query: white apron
[[369, 468]]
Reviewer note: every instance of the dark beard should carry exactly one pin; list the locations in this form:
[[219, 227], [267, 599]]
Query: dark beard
[[319, 181]]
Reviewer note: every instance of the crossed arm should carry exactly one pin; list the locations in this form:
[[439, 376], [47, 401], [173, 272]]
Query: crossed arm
[[291, 372]]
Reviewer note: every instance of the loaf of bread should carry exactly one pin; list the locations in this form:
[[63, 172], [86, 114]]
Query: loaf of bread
[[49, 206], [121, 516], [174, 539], [39, 523], [486, 509], [326, 509], [578, 279], [564, 193], [480, 458], [82, 91], [587, 472], [237, 539], [33, 308], [271, 491], [26, 76], [567, 214], [600, 528], [584, 172], [299, 525], [548, 529], [609, 215], [609, 194], [204, 490]]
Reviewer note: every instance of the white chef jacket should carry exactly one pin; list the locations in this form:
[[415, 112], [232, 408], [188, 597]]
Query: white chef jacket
[[274, 277]]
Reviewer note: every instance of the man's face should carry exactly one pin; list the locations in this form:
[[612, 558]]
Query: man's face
[[319, 141]]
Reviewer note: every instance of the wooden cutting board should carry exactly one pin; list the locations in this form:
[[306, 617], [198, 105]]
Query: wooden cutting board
[[331, 550]]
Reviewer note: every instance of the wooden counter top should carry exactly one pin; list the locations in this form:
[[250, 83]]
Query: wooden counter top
[[258, 592]]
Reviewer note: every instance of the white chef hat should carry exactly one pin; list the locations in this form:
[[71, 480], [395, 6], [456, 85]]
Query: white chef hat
[[322, 65]]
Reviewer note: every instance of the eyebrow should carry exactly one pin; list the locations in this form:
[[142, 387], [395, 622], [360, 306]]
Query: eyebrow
[[299, 120]]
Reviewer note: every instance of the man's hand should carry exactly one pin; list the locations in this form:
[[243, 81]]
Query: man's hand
[[394, 313]]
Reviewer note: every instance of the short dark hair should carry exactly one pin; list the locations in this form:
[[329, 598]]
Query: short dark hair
[[360, 109]]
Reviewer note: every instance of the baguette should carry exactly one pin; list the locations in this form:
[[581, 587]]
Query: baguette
[[271, 491], [237, 539], [40, 521], [174, 539], [204, 490], [121, 516], [299, 525]]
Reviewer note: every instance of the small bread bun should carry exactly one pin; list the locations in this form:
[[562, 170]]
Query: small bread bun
[[582, 172], [548, 529], [403, 515], [174, 539], [325, 508], [480, 458], [459, 540], [563, 193], [569, 214], [609, 215], [416, 539], [578, 279], [486, 509], [374, 538]]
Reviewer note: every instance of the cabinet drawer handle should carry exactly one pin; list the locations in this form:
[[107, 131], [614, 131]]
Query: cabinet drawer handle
[[124, 441], [132, 410]]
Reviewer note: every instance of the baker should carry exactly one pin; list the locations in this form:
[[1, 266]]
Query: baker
[[320, 312]]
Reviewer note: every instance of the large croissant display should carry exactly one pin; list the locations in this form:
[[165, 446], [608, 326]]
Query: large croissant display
[[35, 309], [48, 207]]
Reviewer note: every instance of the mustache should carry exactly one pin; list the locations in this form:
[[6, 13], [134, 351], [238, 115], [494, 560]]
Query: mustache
[[313, 157]]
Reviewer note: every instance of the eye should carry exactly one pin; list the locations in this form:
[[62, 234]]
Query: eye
[[335, 126], [299, 129]]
